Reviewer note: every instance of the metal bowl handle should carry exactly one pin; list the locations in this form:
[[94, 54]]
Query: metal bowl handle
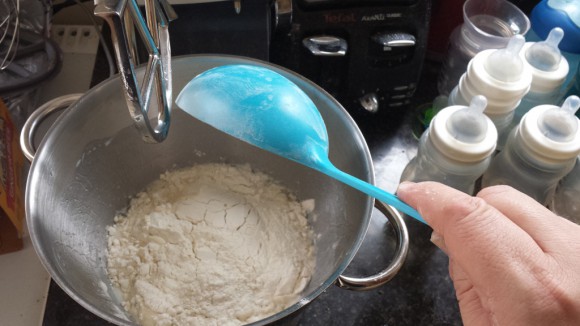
[[371, 282], [32, 123]]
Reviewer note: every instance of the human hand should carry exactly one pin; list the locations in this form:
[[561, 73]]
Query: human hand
[[512, 261]]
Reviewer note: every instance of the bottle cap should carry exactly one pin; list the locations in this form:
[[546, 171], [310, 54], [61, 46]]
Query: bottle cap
[[570, 7], [463, 133], [545, 55], [505, 64], [500, 75], [552, 133]]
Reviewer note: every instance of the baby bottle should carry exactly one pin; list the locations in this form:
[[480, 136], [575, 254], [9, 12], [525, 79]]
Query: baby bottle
[[566, 202], [565, 14], [456, 148], [487, 24], [549, 70], [539, 151], [501, 76]]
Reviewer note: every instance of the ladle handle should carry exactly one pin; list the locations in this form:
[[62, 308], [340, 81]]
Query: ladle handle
[[371, 190]]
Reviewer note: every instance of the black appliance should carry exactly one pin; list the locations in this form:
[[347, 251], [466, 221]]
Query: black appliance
[[368, 54]]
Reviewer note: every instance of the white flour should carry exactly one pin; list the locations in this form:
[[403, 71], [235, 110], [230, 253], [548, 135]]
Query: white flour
[[211, 245]]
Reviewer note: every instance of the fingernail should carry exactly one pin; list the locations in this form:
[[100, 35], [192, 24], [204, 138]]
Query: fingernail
[[404, 185], [438, 240]]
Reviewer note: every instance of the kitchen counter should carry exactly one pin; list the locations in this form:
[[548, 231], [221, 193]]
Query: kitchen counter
[[421, 294]]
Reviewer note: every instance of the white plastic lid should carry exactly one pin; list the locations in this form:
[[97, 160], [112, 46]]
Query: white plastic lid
[[463, 133], [502, 96], [545, 55], [552, 133], [505, 64]]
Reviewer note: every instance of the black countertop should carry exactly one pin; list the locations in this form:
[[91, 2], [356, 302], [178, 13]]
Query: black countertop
[[421, 294]]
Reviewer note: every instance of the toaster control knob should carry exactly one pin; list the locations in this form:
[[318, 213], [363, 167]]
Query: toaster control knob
[[392, 41], [325, 45], [391, 48], [370, 102]]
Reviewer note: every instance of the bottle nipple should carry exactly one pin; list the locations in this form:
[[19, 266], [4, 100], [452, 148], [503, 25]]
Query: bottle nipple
[[559, 123], [505, 64], [469, 125], [545, 55]]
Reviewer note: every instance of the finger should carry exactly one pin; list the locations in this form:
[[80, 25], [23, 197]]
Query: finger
[[550, 231], [491, 248], [444, 207]]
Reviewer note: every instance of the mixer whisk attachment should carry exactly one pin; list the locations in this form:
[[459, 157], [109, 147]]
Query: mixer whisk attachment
[[27, 55], [9, 29]]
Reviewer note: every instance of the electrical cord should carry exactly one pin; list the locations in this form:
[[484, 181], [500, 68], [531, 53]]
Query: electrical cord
[[102, 41]]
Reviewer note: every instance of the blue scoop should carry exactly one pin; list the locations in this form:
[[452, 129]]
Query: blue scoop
[[265, 109]]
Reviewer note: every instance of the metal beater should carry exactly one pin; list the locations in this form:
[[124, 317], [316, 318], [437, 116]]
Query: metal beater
[[123, 16]]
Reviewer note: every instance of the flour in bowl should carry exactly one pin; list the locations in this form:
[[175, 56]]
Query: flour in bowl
[[213, 244]]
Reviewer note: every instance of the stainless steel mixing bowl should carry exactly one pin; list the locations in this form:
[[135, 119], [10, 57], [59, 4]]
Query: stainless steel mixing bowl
[[92, 160]]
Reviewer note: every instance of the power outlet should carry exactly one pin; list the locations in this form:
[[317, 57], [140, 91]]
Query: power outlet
[[81, 39], [79, 45]]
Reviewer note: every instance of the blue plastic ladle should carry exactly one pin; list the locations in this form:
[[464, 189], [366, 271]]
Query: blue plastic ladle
[[265, 109]]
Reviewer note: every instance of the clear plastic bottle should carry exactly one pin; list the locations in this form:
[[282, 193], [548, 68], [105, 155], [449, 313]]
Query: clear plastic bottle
[[456, 148], [549, 70], [487, 24], [502, 77], [566, 202], [539, 151]]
